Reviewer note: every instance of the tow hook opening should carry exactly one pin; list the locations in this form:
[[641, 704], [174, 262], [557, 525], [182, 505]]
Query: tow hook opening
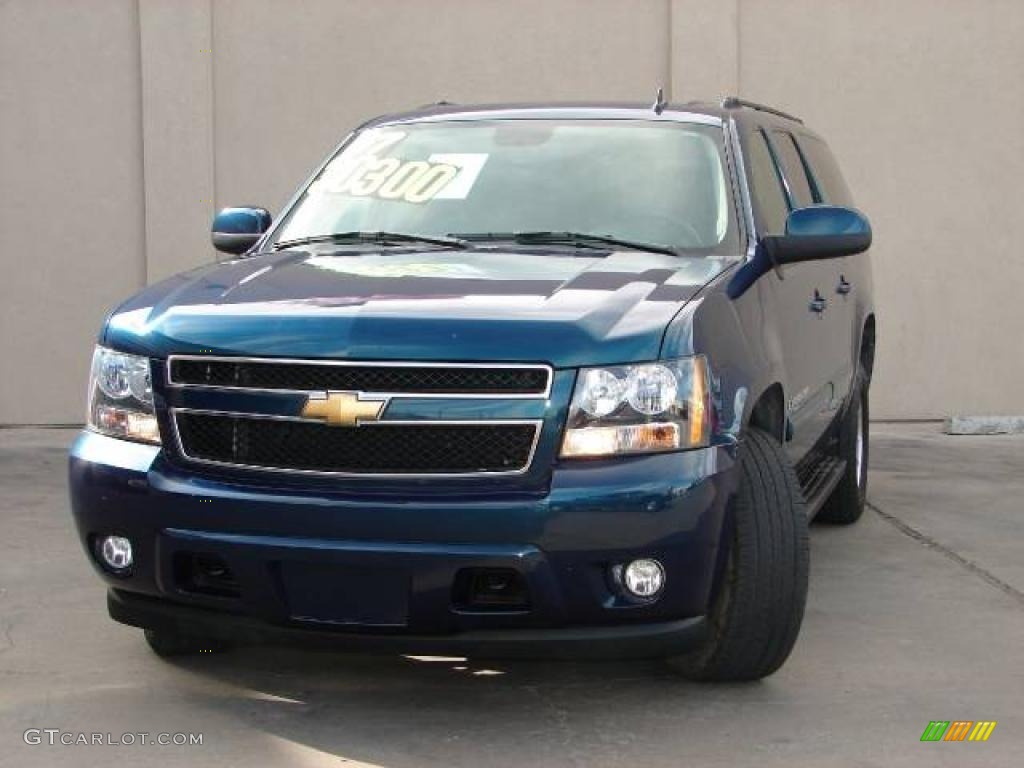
[[203, 573], [490, 589]]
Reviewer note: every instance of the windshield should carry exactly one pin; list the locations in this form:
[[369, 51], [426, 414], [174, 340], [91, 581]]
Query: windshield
[[657, 183]]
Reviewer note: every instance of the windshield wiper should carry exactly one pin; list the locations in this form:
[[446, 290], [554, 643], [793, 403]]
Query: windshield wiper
[[576, 239], [376, 237]]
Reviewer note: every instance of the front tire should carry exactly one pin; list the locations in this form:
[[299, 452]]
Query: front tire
[[756, 615]]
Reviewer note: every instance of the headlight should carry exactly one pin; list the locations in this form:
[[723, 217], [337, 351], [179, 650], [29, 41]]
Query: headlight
[[121, 397], [645, 408]]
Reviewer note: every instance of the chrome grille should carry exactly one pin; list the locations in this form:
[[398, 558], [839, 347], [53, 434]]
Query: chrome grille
[[455, 379], [287, 440], [383, 448]]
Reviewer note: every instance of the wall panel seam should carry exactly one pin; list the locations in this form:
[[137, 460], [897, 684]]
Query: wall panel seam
[[212, 137], [143, 201], [669, 50], [738, 32]]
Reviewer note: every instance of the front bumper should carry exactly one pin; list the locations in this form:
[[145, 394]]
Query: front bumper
[[393, 561], [619, 641]]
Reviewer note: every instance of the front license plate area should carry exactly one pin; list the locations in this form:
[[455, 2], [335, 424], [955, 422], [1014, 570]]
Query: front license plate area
[[336, 594]]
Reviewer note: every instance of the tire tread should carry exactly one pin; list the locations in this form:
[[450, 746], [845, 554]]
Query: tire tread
[[760, 618]]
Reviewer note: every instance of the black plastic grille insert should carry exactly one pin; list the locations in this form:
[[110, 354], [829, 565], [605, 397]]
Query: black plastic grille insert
[[369, 449], [440, 380]]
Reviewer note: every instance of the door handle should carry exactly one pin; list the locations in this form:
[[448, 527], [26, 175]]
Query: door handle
[[818, 303], [844, 286]]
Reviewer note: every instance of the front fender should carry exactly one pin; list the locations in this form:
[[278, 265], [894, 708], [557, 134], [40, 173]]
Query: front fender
[[742, 343]]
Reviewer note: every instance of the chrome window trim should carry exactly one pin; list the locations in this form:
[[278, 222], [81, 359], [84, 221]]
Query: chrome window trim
[[367, 364], [537, 425], [744, 188]]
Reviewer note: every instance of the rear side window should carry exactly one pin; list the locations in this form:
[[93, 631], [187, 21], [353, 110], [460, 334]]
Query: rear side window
[[825, 170], [769, 198], [797, 184]]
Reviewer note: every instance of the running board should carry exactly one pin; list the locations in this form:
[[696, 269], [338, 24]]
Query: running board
[[819, 474]]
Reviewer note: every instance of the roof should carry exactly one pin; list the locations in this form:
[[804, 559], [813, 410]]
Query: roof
[[692, 111]]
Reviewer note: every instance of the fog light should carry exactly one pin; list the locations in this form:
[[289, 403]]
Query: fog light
[[644, 578], [116, 552]]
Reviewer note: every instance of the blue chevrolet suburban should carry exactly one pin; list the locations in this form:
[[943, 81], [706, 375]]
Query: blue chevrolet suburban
[[514, 380]]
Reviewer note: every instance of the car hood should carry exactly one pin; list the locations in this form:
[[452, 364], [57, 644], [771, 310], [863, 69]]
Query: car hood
[[476, 305]]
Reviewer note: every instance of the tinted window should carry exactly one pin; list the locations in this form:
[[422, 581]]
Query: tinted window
[[829, 180], [800, 194], [769, 198]]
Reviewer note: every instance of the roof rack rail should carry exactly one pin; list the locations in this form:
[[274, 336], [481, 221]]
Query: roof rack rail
[[733, 102]]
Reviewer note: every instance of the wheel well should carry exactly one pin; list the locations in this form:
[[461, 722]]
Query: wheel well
[[769, 412], [867, 346]]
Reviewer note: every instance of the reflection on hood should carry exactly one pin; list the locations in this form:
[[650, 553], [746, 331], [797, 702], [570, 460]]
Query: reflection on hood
[[420, 304]]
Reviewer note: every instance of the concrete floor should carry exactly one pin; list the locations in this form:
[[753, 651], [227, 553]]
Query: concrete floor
[[915, 614]]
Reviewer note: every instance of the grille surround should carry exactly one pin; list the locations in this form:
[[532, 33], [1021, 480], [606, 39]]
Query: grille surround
[[535, 380], [527, 462]]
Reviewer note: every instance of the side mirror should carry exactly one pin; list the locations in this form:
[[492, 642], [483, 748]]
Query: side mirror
[[819, 232], [236, 230], [815, 232]]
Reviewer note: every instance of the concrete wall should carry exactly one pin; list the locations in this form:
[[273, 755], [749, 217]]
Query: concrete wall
[[72, 219], [125, 123]]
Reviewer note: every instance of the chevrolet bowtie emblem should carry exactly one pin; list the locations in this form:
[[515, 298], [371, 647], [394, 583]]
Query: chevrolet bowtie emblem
[[343, 409]]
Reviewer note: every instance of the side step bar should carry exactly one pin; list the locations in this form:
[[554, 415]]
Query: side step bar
[[819, 474]]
